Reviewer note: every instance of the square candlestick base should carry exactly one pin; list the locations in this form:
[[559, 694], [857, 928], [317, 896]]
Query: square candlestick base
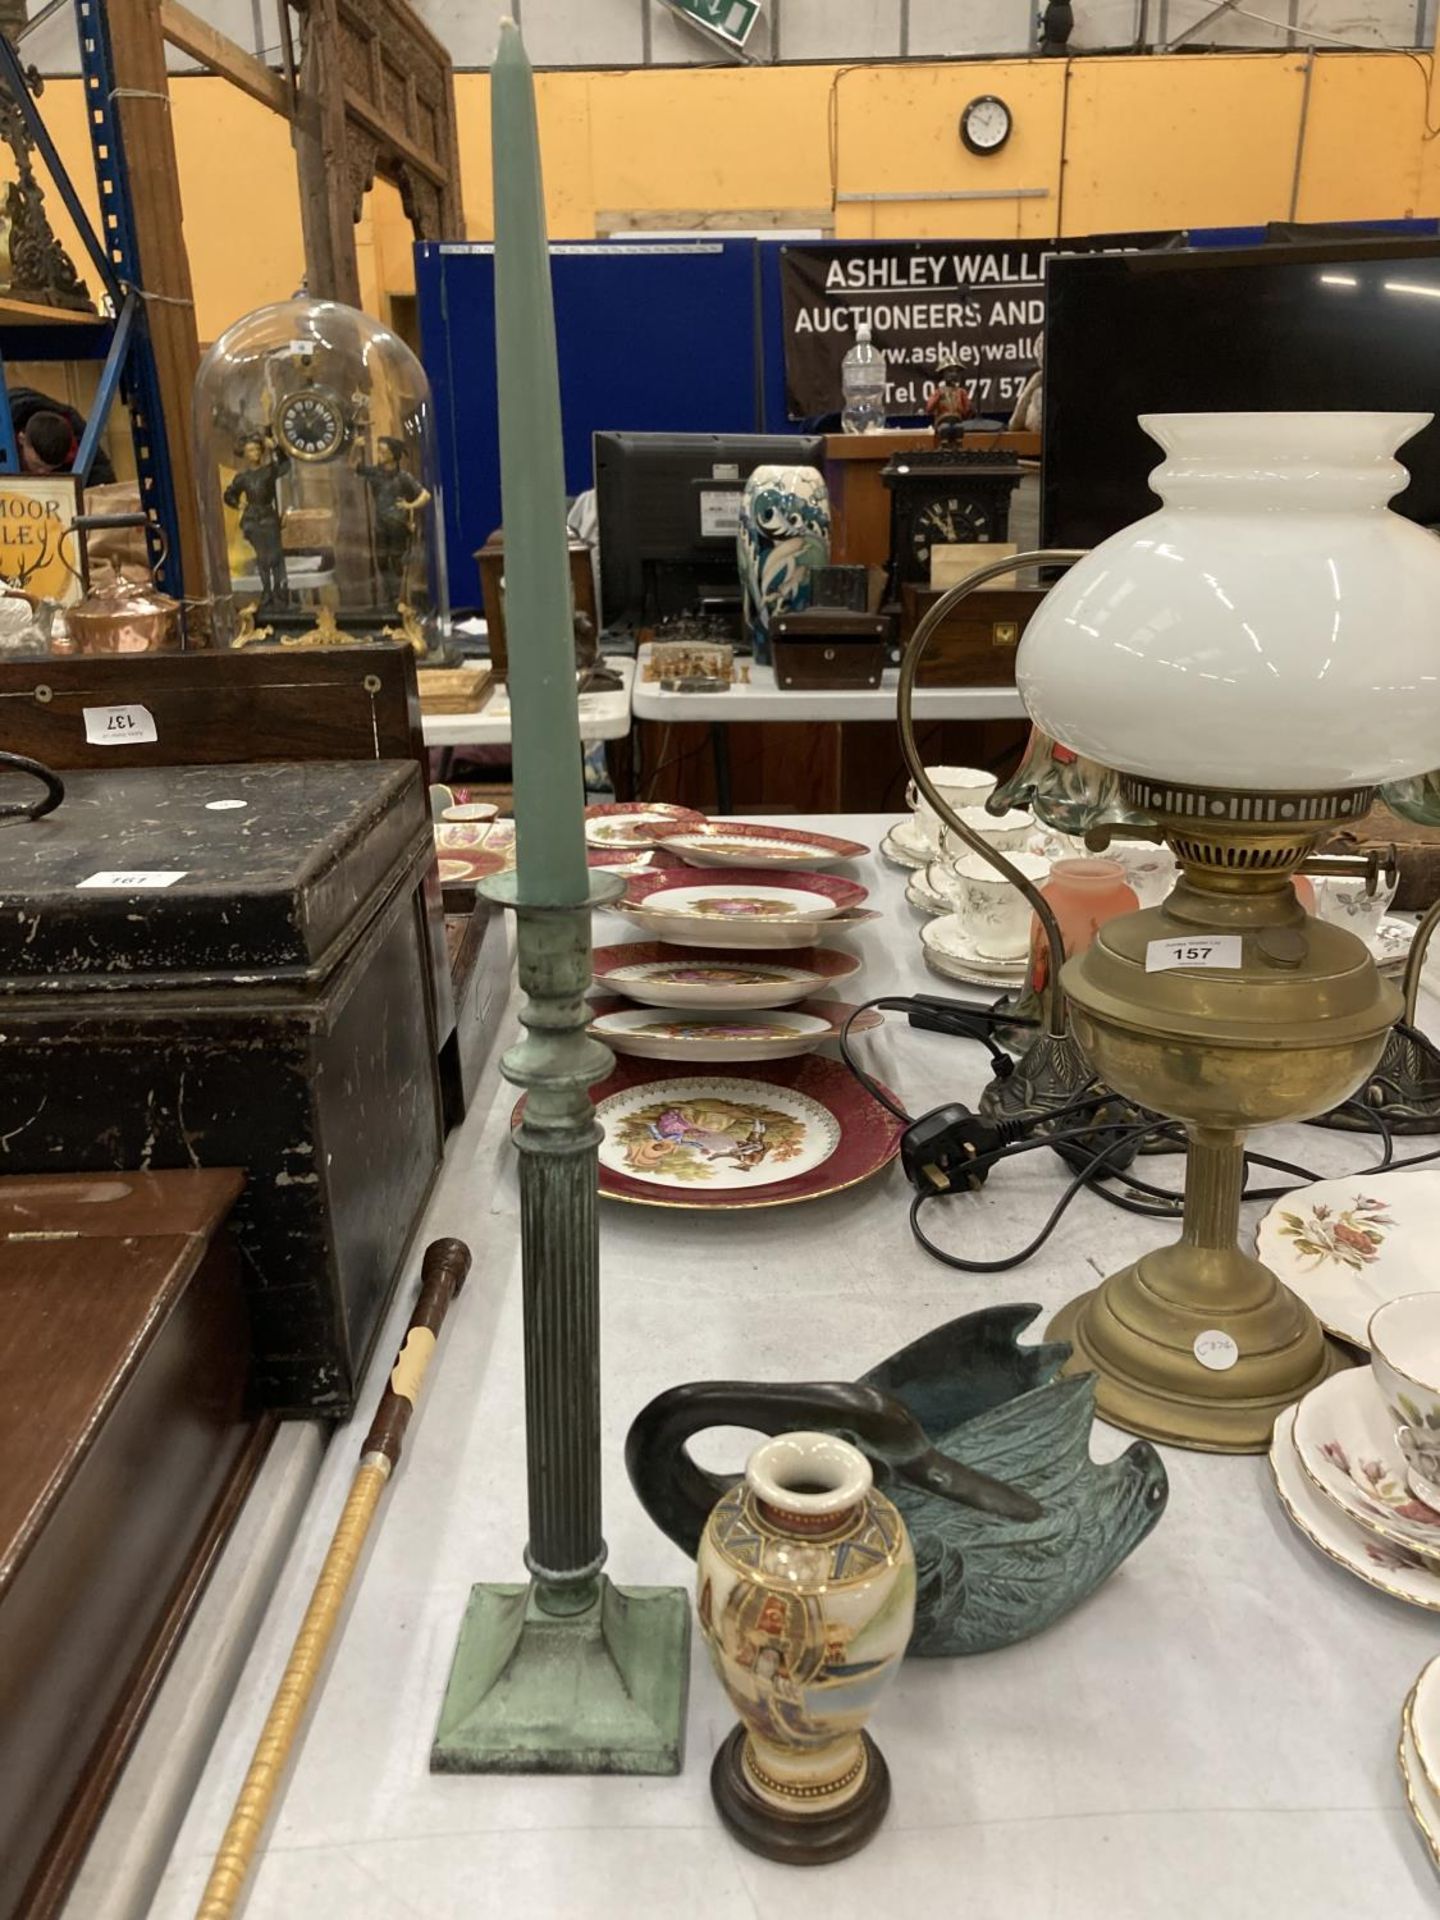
[[603, 1691]]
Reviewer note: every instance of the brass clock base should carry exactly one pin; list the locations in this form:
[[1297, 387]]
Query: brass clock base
[[1138, 1331]]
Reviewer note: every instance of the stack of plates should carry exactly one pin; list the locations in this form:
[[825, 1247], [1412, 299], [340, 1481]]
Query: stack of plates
[[1346, 1247], [1341, 1480], [1419, 1755]]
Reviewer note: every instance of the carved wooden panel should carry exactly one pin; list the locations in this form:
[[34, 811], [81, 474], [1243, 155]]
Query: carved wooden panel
[[377, 96]]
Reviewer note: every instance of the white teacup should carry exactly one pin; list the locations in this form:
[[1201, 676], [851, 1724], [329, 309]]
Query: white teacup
[[1341, 899], [958, 787], [994, 914], [1149, 870], [1003, 831], [1404, 1338]]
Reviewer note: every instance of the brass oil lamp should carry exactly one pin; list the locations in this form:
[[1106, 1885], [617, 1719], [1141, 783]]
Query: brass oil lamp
[[1252, 661], [1236, 674]]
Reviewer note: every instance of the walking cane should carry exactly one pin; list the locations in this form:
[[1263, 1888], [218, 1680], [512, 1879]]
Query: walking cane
[[443, 1274]]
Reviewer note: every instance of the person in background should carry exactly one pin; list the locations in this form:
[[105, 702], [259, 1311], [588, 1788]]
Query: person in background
[[48, 435]]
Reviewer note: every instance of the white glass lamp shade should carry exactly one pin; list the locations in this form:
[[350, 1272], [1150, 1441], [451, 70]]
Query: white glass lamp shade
[[1273, 628]]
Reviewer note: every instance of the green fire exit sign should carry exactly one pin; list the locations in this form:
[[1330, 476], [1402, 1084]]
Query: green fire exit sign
[[728, 20]]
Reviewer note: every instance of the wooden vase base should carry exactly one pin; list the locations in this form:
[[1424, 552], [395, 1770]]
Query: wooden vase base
[[798, 1840]]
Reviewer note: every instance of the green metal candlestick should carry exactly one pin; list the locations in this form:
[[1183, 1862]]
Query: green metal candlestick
[[567, 1674]]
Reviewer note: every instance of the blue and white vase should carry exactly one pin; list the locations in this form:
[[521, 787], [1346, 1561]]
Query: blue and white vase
[[784, 537]]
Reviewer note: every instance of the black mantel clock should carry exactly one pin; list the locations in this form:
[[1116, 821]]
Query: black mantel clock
[[945, 498]]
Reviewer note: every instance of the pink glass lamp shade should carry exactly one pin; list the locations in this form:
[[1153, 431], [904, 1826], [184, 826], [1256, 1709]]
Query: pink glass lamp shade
[[1083, 895]]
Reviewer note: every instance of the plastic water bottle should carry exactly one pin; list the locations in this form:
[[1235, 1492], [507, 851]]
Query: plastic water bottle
[[862, 378]]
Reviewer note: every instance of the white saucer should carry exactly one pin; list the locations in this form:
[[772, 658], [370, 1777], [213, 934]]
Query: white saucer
[[902, 848], [950, 950], [1345, 1439], [1420, 1795], [1422, 1710], [1392, 943], [923, 897], [1379, 1564]]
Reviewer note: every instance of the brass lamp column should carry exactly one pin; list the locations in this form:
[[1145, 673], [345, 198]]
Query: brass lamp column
[[1228, 1007]]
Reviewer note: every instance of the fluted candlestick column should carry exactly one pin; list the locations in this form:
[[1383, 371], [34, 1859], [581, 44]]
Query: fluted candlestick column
[[568, 1674]]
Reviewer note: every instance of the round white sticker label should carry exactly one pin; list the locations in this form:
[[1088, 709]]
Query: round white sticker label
[[1216, 1350]]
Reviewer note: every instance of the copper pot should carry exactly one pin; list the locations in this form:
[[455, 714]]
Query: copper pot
[[124, 616]]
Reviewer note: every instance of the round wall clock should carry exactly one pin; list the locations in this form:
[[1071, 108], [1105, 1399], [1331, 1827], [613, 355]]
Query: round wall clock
[[985, 124], [311, 424]]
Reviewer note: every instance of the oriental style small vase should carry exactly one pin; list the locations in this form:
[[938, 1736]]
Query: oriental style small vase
[[806, 1585], [784, 537]]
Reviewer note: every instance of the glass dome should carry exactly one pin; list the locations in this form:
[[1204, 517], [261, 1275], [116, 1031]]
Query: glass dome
[[315, 440]]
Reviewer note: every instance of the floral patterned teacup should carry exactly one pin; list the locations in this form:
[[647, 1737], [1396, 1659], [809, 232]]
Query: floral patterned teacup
[[1404, 1338], [958, 787], [994, 914], [1341, 899], [1150, 870]]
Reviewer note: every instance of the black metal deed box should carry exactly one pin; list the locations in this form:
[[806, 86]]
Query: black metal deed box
[[228, 966]]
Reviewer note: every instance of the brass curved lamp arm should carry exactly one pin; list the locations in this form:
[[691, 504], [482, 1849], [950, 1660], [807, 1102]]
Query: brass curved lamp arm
[[1415, 959], [1054, 1000]]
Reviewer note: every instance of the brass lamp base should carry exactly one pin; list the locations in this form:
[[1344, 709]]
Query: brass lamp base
[[1142, 1331], [1227, 1008]]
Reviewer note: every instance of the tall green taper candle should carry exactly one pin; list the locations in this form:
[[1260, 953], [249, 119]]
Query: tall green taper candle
[[545, 724]]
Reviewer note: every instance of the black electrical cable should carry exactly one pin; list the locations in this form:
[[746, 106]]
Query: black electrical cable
[[1048, 1131], [871, 1086], [1057, 1213]]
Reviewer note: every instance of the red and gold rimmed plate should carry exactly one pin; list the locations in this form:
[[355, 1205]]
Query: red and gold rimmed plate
[[740, 843], [783, 1033], [764, 1136], [741, 907], [629, 860], [716, 980], [468, 851], [632, 823]]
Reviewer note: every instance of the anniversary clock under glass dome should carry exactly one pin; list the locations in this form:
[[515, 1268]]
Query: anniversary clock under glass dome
[[314, 429]]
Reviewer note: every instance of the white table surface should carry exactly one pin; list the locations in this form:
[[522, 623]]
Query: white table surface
[[603, 716], [761, 699], [1212, 1734]]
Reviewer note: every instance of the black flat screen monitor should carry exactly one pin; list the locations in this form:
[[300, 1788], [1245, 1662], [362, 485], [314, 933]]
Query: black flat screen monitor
[[667, 505], [1323, 325]]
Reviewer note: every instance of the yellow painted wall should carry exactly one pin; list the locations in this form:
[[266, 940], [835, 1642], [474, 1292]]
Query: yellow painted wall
[[1107, 145]]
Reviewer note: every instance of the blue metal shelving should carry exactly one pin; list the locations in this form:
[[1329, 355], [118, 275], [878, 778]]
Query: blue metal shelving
[[121, 338]]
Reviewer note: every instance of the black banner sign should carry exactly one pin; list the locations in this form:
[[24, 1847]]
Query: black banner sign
[[978, 304]]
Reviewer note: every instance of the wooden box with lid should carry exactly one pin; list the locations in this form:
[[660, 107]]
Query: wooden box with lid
[[229, 966], [128, 1443], [975, 645]]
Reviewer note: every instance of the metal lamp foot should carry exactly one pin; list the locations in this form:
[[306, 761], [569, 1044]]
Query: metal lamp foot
[[599, 1691]]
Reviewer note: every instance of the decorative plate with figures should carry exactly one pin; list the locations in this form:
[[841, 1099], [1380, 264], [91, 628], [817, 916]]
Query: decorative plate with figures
[[632, 823], [788, 1131], [742, 906]]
